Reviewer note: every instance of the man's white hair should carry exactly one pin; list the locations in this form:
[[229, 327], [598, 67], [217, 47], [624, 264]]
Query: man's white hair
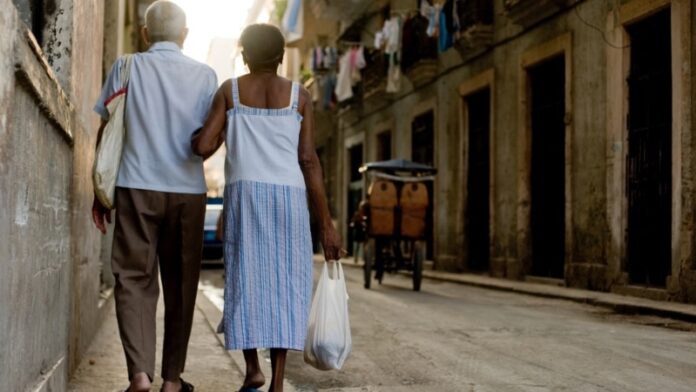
[[164, 21]]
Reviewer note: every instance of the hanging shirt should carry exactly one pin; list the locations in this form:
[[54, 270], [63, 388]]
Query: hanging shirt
[[392, 35], [432, 13]]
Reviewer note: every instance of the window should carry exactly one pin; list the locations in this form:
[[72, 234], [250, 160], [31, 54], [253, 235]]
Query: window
[[384, 146], [33, 13]]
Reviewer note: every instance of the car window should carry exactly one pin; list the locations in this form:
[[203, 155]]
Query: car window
[[211, 217]]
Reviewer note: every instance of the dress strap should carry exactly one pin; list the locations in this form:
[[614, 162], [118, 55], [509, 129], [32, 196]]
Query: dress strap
[[295, 96], [235, 93]]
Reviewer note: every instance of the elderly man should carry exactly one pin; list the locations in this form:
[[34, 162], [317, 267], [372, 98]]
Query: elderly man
[[160, 197]]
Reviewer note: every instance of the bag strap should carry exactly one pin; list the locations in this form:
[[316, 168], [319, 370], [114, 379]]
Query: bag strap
[[126, 69]]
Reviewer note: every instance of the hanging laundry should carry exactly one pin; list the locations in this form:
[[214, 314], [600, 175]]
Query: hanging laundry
[[456, 22], [344, 86], [432, 13], [445, 38], [330, 57], [390, 39], [379, 40], [394, 74], [293, 21], [391, 33], [327, 85], [357, 62]]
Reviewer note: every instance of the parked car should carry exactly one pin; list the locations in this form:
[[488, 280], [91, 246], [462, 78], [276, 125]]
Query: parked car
[[212, 245]]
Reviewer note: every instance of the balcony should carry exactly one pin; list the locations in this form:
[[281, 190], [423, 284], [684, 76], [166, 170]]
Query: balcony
[[419, 57], [527, 12], [374, 75], [476, 20], [344, 10]]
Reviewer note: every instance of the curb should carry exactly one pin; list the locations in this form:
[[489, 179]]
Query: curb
[[616, 302]]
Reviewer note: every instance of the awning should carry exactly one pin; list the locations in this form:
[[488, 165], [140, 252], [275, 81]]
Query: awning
[[399, 165]]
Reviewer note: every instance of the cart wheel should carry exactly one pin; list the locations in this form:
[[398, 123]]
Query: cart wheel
[[417, 256], [368, 256]]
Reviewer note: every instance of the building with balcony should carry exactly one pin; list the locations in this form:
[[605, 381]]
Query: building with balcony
[[562, 131]]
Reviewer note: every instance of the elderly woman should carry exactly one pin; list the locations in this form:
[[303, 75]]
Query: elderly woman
[[266, 122]]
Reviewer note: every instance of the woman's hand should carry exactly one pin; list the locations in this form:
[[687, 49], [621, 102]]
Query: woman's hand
[[331, 242]]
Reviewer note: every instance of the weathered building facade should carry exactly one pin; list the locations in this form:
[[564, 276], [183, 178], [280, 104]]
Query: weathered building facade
[[52, 285], [562, 131]]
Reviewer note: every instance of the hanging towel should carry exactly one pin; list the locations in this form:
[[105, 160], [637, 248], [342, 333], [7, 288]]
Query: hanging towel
[[293, 21], [445, 36], [344, 88]]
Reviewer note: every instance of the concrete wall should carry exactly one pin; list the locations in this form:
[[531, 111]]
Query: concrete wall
[[589, 261], [49, 251]]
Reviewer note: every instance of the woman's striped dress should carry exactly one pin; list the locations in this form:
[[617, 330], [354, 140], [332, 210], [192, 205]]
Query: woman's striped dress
[[268, 250]]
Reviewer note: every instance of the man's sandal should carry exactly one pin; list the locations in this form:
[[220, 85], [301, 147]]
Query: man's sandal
[[185, 387]]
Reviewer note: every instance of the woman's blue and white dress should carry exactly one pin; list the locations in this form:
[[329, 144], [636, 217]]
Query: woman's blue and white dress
[[268, 246]]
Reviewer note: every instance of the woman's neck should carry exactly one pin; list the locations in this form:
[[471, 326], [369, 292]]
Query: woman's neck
[[263, 72]]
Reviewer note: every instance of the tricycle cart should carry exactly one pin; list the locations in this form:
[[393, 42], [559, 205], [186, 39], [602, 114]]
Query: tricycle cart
[[394, 212]]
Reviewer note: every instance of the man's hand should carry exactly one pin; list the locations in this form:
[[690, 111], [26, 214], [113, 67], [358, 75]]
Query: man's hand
[[100, 215], [331, 242]]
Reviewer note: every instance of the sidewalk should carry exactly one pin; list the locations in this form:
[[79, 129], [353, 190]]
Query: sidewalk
[[616, 302], [208, 368]]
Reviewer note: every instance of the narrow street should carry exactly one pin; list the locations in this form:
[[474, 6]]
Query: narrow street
[[451, 337]]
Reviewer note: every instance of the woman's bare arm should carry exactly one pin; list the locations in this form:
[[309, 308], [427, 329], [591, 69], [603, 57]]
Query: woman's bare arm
[[209, 138], [311, 169]]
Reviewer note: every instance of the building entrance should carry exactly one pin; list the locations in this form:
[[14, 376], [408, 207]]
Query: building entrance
[[478, 181], [547, 211], [649, 161]]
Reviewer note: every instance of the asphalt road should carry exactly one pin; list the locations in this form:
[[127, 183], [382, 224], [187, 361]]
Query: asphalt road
[[451, 337]]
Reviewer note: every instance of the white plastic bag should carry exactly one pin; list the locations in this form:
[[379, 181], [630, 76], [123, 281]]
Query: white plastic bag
[[328, 341], [108, 158]]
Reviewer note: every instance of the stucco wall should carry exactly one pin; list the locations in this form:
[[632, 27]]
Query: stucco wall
[[49, 251]]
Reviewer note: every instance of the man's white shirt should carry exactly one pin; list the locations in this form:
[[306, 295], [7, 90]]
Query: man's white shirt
[[169, 97]]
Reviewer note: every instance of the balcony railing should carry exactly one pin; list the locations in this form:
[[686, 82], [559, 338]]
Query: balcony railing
[[374, 75], [419, 52], [527, 12]]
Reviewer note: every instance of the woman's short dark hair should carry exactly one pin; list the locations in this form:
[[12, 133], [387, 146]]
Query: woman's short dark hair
[[263, 44]]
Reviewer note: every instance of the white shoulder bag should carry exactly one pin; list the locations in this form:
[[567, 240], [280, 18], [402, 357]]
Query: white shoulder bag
[[110, 148]]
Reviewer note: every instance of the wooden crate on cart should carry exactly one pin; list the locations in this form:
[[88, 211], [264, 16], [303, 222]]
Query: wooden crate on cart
[[383, 201], [414, 208]]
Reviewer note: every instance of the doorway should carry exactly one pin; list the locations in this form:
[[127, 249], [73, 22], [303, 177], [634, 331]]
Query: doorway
[[477, 221], [649, 160], [423, 151], [547, 177]]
